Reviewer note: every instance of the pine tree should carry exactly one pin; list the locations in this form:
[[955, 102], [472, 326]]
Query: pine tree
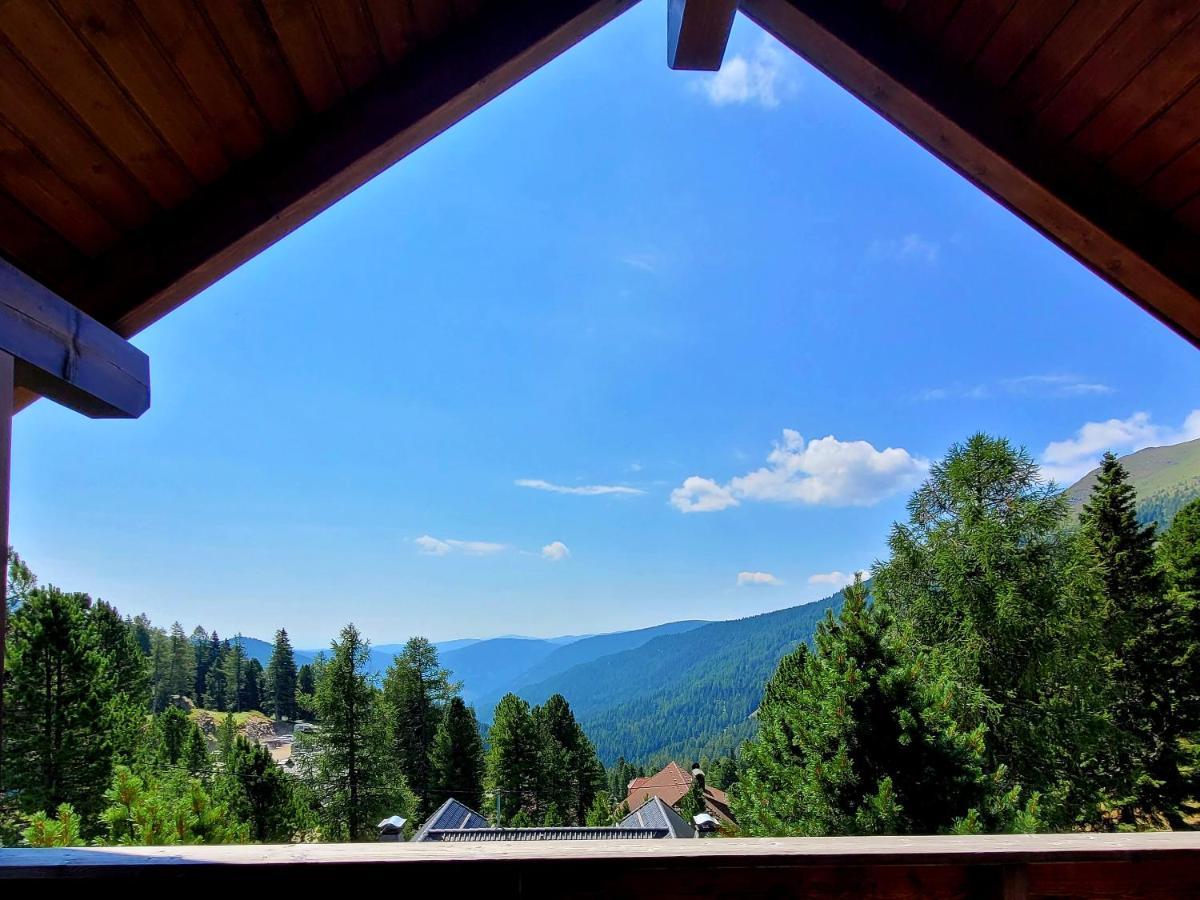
[[281, 678], [988, 588], [353, 772], [172, 728], [600, 815], [513, 759], [852, 740], [181, 679], [233, 667], [126, 672], [195, 756], [21, 581], [415, 690], [256, 791], [167, 808], [56, 693], [457, 757], [201, 650], [253, 681], [569, 772], [217, 680]]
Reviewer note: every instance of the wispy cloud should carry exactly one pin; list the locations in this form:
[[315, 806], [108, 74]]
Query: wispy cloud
[[555, 551], [584, 490], [836, 578], [823, 472], [647, 262], [431, 546], [909, 248], [1069, 460], [766, 76], [756, 578], [1052, 386]]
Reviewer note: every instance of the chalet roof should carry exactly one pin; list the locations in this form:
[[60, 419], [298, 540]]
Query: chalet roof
[[451, 815], [149, 148], [654, 813], [670, 784], [547, 834]]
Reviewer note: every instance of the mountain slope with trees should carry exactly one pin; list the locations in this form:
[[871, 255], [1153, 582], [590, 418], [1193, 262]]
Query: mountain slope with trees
[[1165, 479]]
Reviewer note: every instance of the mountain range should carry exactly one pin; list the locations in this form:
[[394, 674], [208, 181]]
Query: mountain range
[[690, 688]]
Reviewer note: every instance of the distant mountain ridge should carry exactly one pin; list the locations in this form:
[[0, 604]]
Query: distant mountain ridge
[[1165, 478]]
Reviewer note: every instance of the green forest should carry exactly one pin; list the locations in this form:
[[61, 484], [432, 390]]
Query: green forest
[[1013, 665]]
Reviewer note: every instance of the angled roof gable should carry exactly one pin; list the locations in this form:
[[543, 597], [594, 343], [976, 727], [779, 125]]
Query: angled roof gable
[[654, 813], [451, 816]]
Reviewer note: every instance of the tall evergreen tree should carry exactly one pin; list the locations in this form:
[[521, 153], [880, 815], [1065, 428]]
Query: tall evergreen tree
[[253, 684], [281, 677], [853, 740], [172, 727], [182, 672], [353, 771], [513, 763], [457, 757], [55, 696], [233, 667], [126, 671], [202, 650], [256, 791], [987, 586], [217, 694], [415, 690], [570, 772]]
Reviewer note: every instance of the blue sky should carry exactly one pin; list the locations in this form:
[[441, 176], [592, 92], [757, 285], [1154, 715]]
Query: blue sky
[[628, 345]]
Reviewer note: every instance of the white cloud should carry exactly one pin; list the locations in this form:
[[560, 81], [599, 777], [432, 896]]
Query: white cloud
[[431, 546], [1069, 460], [910, 248], [766, 76], [1055, 386], [836, 578], [586, 490], [647, 262], [555, 551], [752, 578], [825, 472]]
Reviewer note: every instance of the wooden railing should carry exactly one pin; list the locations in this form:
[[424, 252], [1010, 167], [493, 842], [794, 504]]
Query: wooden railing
[[1009, 867]]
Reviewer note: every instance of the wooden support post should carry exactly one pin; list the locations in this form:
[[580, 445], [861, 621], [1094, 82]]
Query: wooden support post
[[697, 32], [6, 412]]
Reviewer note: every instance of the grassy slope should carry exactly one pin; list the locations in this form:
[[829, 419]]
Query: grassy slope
[[1153, 471]]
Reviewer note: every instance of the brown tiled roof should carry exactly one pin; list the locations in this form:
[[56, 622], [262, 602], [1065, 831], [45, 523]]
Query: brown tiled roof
[[671, 785]]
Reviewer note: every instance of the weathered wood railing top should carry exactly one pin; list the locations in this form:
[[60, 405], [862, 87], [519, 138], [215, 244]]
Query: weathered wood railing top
[[1012, 866]]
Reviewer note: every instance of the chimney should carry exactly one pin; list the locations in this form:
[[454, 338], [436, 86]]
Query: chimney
[[698, 775], [392, 829]]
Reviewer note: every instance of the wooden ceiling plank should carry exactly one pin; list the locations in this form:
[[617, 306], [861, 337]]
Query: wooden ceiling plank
[[1018, 37], [433, 18], [1066, 48], [395, 27], [256, 204], [1154, 89], [38, 187], [184, 38], [298, 26], [928, 18], [245, 33], [1111, 231], [466, 10], [48, 45], [1115, 63], [45, 123], [1161, 141], [971, 26], [32, 245], [1177, 182], [351, 35], [116, 33], [1189, 214]]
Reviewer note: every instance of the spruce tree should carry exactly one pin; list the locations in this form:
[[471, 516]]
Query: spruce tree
[[256, 791], [217, 681], [195, 756], [172, 728], [570, 774], [513, 760], [181, 679], [126, 673], [457, 757], [55, 697], [415, 690], [201, 649], [987, 586], [853, 740], [253, 681], [233, 667], [352, 770], [281, 678]]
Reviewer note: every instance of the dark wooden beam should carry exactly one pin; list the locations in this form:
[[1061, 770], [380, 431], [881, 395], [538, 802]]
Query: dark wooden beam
[[697, 32], [261, 201], [1066, 196], [62, 354], [6, 414]]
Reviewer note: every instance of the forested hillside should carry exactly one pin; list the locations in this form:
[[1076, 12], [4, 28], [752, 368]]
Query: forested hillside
[[681, 693], [1165, 478]]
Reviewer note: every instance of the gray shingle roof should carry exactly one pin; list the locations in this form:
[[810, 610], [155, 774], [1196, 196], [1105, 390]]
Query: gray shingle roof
[[544, 834], [655, 813], [451, 815]]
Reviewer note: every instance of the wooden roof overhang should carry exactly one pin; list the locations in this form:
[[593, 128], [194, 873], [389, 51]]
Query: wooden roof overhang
[[148, 147]]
